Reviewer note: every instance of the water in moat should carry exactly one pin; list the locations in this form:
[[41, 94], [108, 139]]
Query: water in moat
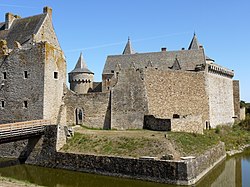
[[235, 171]]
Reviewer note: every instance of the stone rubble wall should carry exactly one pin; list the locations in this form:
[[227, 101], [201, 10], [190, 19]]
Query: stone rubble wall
[[16, 89], [95, 106], [198, 167], [156, 124], [176, 92], [128, 100], [192, 124]]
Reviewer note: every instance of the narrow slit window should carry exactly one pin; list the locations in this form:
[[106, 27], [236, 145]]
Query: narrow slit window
[[2, 104], [55, 75], [25, 104], [4, 75], [25, 74], [176, 116]]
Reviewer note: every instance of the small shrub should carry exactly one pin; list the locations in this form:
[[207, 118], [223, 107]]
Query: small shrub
[[218, 130], [245, 124]]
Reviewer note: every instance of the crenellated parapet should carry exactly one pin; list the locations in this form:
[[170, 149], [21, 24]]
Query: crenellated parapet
[[216, 69]]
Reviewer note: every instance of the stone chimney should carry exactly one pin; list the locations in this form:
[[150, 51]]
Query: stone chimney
[[47, 10], [9, 18], [163, 49]]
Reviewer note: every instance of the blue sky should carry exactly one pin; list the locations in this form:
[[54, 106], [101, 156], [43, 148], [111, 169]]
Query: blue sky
[[100, 28]]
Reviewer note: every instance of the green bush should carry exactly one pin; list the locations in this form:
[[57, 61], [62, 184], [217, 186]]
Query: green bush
[[245, 124]]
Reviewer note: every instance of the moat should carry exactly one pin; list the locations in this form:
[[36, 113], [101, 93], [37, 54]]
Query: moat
[[232, 172]]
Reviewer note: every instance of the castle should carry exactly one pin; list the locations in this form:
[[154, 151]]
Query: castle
[[181, 90]]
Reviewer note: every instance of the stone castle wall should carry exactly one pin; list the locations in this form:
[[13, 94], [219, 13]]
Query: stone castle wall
[[95, 106], [190, 124], [176, 92], [128, 101], [221, 101], [17, 89], [236, 97], [54, 80]]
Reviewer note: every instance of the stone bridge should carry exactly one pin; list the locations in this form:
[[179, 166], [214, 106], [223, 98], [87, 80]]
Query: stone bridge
[[22, 130]]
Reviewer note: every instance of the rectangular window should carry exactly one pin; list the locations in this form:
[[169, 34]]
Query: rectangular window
[[55, 75], [4, 75], [2, 104], [25, 74], [25, 104]]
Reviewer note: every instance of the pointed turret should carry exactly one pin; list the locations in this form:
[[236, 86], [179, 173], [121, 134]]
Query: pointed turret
[[81, 66], [81, 78], [194, 43], [128, 50]]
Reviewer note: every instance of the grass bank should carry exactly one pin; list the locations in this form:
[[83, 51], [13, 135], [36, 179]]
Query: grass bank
[[10, 182], [136, 143]]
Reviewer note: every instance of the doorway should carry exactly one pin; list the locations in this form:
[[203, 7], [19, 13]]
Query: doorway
[[79, 114]]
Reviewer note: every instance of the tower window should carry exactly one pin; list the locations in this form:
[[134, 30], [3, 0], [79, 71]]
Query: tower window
[[25, 74], [2, 104], [4, 75], [176, 116], [55, 75], [25, 104]]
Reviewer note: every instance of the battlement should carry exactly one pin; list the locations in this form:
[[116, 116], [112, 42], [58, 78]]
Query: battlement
[[216, 69]]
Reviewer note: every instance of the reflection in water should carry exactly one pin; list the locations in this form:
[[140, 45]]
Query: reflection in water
[[232, 173]]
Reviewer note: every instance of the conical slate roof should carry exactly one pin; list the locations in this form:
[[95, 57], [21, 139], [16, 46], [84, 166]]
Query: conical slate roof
[[128, 50], [194, 43], [81, 66]]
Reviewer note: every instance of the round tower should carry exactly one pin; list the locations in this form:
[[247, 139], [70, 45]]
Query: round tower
[[81, 78]]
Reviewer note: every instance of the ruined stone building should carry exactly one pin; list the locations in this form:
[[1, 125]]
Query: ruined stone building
[[182, 90]]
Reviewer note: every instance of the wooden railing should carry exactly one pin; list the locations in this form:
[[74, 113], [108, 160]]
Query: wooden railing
[[12, 130]]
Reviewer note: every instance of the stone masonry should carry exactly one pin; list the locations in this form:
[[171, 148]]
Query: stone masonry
[[185, 88]]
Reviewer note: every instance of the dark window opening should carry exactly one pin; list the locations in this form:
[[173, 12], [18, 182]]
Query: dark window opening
[[2, 104], [108, 87], [4, 75], [25, 74], [112, 71], [25, 104], [55, 75], [208, 125], [108, 80], [176, 116], [80, 115]]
